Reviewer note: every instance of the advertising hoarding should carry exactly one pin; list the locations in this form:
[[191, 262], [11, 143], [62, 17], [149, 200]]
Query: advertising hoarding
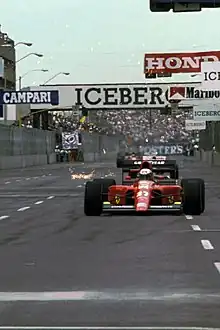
[[195, 125], [206, 115], [210, 72], [177, 62]]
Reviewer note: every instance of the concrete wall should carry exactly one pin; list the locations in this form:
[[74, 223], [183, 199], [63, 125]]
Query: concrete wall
[[211, 158], [97, 147], [23, 147]]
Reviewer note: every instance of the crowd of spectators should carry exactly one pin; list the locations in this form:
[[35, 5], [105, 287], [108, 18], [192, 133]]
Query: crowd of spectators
[[139, 125]]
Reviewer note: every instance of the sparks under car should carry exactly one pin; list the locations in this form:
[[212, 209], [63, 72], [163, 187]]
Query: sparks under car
[[145, 196]]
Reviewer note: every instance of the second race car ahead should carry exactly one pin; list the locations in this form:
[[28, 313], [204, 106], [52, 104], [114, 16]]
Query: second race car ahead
[[145, 195]]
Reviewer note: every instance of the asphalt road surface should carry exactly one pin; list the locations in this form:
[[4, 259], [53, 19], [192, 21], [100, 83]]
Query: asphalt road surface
[[60, 268]]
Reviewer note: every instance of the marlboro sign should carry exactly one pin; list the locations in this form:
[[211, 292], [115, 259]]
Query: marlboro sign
[[177, 93], [178, 62]]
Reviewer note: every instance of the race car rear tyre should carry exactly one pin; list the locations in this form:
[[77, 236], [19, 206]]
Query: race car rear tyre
[[193, 196], [93, 199], [105, 184]]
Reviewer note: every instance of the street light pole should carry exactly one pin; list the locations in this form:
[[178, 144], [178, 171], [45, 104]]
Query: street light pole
[[56, 75], [28, 44], [25, 74], [29, 54]]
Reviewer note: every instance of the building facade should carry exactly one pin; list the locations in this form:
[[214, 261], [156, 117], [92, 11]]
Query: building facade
[[8, 61]]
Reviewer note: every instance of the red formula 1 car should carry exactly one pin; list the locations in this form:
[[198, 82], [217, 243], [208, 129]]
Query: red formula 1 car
[[143, 196]]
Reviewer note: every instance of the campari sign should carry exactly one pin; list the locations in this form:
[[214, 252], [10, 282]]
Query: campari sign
[[158, 63]]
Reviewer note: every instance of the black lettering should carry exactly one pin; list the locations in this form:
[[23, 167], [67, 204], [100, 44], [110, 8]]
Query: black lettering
[[198, 94], [139, 93], [190, 92], [98, 91], [108, 94], [212, 76], [205, 74], [217, 93], [78, 96], [125, 96], [155, 95]]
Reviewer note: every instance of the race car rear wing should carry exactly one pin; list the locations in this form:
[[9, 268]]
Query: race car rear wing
[[132, 164]]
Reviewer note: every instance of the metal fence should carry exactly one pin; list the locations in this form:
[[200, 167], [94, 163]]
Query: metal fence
[[15, 141], [210, 137], [98, 147]]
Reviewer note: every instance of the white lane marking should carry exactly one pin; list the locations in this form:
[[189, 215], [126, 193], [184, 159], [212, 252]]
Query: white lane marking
[[50, 197], [80, 186], [196, 227], [23, 208], [4, 217], [188, 217], [43, 176], [28, 178], [35, 177], [39, 202], [217, 265], [105, 296], [207, 244], [17, 327], [50, 174], [7, 182], [18, 180]]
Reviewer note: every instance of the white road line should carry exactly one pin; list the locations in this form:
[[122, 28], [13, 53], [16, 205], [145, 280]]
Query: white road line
[[7, 182], [17, 327], [39, 202], [23, 208], [50, 174], [80, 186], [28, 178], [105, 296], [3, 217], [196, 227], [217, 265], [18, 180], [43, 176], [207, 244], [50, 197], [188, 217], [35, 177]]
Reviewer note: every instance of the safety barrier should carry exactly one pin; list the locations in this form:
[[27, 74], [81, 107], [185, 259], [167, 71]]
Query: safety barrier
[[97, 147], [23, 147], [209, 138]]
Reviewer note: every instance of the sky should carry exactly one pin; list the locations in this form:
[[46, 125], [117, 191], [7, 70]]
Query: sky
[[101, 41]]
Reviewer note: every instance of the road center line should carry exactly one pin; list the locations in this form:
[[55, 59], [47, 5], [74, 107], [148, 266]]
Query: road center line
[[50, 197], [217, 265], [196, 227], [38, 202], [23, 208], [7, 182], [188, 217], [4, 217], [207, 244]]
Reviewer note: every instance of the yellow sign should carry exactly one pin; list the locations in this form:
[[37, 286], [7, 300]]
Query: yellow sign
[[117, 199]]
